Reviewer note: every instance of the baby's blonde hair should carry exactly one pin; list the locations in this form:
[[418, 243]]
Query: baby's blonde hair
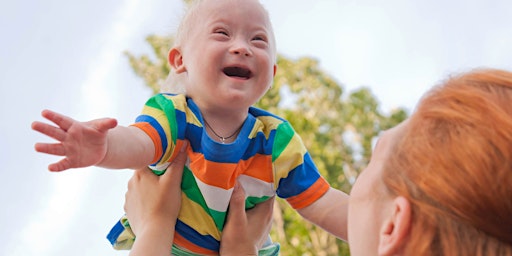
[[173, 83]]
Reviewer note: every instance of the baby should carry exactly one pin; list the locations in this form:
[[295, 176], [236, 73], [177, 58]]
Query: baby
[[224, 58]]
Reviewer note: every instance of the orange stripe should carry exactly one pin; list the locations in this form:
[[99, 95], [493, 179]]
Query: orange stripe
[[259, 167], [220, 175], [155, 137], [223, 175], [317, 190], [184, 243]]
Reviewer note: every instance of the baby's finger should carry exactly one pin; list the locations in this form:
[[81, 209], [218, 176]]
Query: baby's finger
[[104, 124], [62, 121], [49, 130], [50, 148], [61, 165]]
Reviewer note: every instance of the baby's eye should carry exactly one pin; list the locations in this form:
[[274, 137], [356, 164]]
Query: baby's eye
[[221, 32], [260, 38]]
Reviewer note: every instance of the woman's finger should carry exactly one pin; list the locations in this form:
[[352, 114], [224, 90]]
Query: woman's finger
[[236, 214], [175, 170]]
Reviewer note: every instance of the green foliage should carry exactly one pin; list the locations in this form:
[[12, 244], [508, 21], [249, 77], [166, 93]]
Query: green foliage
[[153, 69], [337, 130]]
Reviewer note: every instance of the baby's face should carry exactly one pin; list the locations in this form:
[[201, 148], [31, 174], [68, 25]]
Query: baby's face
[[229, 54]]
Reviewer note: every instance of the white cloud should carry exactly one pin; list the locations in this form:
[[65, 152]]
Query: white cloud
[[47, 229]]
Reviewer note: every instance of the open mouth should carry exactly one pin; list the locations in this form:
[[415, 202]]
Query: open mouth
[[237, 72]]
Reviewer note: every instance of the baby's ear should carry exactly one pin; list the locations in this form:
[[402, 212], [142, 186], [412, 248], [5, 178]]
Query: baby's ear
[[176, 60], [395, 229]]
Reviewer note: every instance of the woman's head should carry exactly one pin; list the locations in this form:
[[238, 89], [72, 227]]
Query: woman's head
[[446, 182], [454, 164]]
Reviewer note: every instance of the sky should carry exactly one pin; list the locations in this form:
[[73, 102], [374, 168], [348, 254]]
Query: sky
[[68, 56]]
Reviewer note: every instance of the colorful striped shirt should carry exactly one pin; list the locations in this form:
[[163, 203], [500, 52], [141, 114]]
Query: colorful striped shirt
[[267, 158]]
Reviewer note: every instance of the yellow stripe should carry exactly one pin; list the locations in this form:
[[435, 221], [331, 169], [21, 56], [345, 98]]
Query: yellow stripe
[[291, 157], [180, 103], [192, 119], [194, 216], [265, 124]]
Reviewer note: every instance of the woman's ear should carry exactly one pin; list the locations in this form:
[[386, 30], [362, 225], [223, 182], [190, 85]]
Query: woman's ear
[[395, 229], [176, 60], [275, 70]]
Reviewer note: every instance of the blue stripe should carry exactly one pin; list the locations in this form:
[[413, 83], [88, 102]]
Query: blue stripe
[[115, 232], [154, 123], [204, 241], [181, 118], [260, 145], [241, 149], [299, 179], [193, 107]]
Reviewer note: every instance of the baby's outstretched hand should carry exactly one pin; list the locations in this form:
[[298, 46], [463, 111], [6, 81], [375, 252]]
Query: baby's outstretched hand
[[81, 143]]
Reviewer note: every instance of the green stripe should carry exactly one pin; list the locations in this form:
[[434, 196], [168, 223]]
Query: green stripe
[[190, 188], [284, 134], [251, 201], [158, 172], [167, 107], [219, 218]]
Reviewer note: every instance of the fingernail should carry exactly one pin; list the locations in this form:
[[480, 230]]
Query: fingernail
[[184, 146], [237, 185]]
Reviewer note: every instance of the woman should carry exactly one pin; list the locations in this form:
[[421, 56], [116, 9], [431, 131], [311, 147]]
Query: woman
[[438, 184], [441, 183]]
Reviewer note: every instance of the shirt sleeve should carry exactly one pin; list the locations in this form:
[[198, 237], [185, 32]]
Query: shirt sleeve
[[298, 179], [158, 121]]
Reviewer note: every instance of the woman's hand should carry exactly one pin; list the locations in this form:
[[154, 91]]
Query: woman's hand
[[245, 231], [152, 205]]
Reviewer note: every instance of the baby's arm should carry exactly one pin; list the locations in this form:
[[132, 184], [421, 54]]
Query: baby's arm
[[329, 212], [98, 142]]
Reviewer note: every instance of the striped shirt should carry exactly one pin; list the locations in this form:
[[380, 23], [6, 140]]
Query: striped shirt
[[267, 158]]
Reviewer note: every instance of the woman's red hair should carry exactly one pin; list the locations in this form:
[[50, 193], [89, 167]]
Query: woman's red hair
[[454, 164]]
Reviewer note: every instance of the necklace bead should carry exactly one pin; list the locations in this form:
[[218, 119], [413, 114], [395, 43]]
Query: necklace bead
[[222, 139]]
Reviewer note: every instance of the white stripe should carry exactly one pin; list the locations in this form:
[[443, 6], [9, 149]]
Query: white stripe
[[218, 198], [256, 187]]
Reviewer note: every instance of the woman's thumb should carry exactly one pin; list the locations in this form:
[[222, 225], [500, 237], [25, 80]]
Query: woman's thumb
[[237, 203], [174, 171]]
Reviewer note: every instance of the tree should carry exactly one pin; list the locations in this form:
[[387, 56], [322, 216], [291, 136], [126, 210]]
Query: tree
[[338, 132]]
